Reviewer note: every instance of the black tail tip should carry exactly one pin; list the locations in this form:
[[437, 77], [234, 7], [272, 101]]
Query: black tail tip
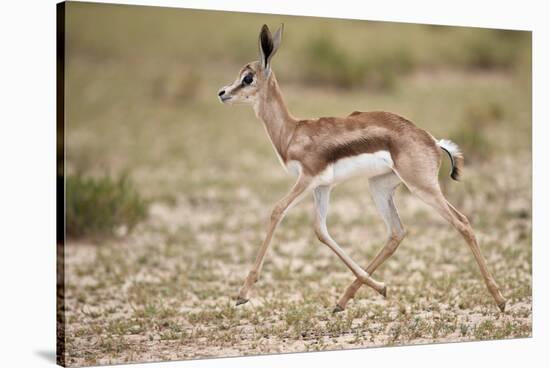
[[456, 173]]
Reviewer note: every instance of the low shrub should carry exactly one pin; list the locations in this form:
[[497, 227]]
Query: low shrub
[[101, 206], [327, 63], [492, 49]]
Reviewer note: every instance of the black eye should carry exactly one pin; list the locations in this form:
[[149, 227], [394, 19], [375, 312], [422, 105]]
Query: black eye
[[248, 79]]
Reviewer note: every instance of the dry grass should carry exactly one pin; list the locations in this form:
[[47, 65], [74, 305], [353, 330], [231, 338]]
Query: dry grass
[[141, 102]]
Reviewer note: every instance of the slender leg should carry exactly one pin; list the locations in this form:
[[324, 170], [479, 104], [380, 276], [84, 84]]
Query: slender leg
[[279, 211], [382, 189], [322, 194], [432, 195], [461, 223]]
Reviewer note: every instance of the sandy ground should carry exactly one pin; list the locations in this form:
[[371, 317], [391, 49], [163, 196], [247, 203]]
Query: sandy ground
[[167, 290]]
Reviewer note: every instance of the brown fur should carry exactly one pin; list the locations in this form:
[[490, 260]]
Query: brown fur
[[320, 142]]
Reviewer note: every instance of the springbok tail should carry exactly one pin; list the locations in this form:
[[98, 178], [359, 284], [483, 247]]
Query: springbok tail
[[457, 159]]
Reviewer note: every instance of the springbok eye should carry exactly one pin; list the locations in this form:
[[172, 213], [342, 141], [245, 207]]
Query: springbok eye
[[248, 79]]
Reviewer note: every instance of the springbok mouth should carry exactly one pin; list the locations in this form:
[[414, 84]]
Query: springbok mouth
[[224, 98]]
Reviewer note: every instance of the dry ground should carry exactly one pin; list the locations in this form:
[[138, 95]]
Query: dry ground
[[166, 291], [142, 101]]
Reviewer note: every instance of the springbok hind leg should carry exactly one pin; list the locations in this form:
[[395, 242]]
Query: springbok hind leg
[[382, 189], [432, 195]]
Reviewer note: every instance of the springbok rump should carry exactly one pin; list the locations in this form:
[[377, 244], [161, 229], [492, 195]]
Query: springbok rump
[[382, 146]]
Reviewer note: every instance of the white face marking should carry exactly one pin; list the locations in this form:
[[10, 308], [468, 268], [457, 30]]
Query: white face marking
[[365, 164]]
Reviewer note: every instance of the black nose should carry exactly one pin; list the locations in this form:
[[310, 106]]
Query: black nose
[[221, 93]]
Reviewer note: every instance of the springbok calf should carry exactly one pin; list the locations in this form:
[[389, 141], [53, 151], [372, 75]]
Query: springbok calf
[[320, 153]]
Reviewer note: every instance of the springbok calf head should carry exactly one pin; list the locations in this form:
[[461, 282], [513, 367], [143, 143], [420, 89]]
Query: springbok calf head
[[253, 78]]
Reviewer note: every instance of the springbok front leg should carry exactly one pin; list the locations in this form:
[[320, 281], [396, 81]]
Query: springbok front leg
[[322, 195], [382, 189], [279, 211]]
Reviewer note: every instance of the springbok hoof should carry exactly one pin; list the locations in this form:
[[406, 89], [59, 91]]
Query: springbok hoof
[[502, 306], [384, 292], [241, 301], [337, 309]]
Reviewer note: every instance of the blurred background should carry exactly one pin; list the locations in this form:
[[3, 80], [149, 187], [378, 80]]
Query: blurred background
[[142, 82], [168, 190]]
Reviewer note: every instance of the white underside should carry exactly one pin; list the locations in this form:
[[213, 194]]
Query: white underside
[[367, 165]]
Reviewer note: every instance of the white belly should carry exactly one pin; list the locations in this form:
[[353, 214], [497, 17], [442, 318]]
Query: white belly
[[365, 164]]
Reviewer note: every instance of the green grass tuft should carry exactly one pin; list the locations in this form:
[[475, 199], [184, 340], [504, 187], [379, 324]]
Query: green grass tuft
[[100, 206]]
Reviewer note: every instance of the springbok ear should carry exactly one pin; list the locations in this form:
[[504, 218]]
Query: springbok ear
[[269, 46]]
